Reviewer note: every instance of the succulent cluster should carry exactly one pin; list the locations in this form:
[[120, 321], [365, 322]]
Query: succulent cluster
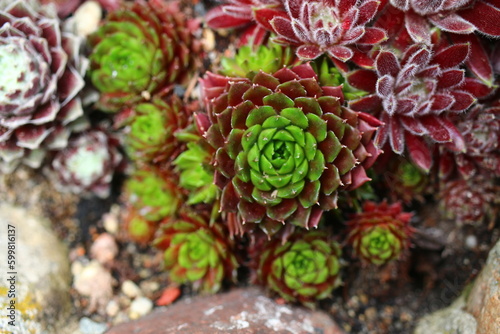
[[333, 114]]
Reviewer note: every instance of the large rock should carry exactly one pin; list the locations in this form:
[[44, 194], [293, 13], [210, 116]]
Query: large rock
[[476, 311], [242, 311], [42, 276], [484, 298]]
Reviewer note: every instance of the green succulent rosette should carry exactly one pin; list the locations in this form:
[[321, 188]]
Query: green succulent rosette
[[197, 252], [251, 59], [151, 129], [153, 193], [140, 49], [196, 174], [304, 269], [138, 228], [284, 145], [380, 233]]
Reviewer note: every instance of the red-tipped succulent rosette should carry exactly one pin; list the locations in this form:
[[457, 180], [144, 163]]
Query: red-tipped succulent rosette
[[416, 93], [335, 27], [380, 233], [284, 144]]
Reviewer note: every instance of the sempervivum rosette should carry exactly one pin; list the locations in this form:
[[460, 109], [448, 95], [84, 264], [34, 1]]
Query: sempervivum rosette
[[41, 77], [481, 131], [417, 94], [380, 233], [284, 144], [140, 50], [303, 269], [151, 127], [470, 201], [153, 193], [336, 27], [196, 251], [87, 164]]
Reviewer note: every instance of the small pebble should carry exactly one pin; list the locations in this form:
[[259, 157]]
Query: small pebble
[[110, 220], [140, 307], [471, 241], [76, 268], [104, 249], [149, 287], [371, 313], [112, 308], [87, 326], [130, 289]]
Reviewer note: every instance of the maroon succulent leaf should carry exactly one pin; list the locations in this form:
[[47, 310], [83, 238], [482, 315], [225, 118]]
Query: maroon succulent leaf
[[459, 17]]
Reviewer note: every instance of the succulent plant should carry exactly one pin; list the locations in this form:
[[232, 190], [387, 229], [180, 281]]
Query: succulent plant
[[407, 182], [284, 144], [416, 95], [380, 233], [470, 201], [460, 17], [151, 128], [251, 59], [87, 164], [197, 174], [334, 27], [196, 252], [153, 193], [140, 50], [480, 128], [41, 77], [240, 13], [304, 269], [138, 228]]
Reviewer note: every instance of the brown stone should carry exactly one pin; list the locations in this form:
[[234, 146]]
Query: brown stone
[[242, 311]]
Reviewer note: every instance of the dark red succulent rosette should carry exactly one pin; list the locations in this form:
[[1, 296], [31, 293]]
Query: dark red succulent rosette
[[470, 201], [480, 129], [409, 21], [338, 28], [417, 95], [284, 144]]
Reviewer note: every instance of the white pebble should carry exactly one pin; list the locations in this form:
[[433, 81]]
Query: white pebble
[[130, 289], [140, 307], [104, 248], [88, 326], [112, 308], [471, 241]]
